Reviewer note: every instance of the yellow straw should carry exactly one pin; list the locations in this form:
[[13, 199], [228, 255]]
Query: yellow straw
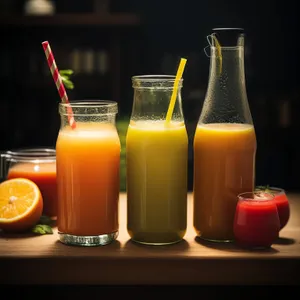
[[175, 89], [219, 52]]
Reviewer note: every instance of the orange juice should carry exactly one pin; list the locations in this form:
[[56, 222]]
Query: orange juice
[[44, 175], [224, 166], [156, 181], [88, 160]]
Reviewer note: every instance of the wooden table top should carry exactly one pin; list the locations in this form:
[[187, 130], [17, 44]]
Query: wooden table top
[[44, 260]]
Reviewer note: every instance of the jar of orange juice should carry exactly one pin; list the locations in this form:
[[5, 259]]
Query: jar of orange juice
[[38, 165]]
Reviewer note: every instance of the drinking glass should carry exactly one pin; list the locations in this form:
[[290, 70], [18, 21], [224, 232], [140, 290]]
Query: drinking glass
[[282, 202], [38, 165], [256, 221], [88, 158]]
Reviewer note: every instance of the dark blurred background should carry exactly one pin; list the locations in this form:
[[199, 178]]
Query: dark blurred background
[[107, 41]]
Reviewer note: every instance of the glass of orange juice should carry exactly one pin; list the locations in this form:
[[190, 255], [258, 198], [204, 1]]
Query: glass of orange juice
[[38, 165], [88, 159]]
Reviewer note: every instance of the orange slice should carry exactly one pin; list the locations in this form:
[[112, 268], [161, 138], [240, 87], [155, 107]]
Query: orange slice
[[21, 204]]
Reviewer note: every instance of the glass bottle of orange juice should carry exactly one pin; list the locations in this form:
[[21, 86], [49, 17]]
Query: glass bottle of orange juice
[[87, 163], [224, 141], [156, 164]]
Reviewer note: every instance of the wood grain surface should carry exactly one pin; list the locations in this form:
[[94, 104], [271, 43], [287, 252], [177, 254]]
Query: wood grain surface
[[26, 259]]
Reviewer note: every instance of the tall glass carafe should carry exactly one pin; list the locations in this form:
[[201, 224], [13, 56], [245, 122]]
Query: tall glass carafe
[[156, 156], [224, 141]]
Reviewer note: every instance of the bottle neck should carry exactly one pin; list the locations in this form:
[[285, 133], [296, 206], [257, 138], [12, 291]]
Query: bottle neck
[[227, 64], [226, 98]]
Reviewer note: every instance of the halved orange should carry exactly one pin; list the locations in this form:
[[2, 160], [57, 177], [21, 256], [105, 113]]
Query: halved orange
[[21, 204]]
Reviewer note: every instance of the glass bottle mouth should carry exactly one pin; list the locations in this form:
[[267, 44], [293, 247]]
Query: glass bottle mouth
[[155, 81], [30, 155], [229, 29], [89, 107], [227, 37]]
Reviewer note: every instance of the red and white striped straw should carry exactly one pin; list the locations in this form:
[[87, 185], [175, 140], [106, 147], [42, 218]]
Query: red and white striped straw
[[58, 81]]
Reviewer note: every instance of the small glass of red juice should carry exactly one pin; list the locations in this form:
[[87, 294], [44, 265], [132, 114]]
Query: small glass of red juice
[[38, 165], [256, 221], [281, 201]]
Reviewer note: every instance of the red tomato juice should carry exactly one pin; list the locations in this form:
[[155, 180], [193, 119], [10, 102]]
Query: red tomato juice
[[44, 175], [283, 208], [282, 203], [256, 223]]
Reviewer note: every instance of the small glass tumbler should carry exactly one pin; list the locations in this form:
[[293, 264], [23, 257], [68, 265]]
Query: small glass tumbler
[[38, 165], [282, 202], [256, 223], [88, 159]]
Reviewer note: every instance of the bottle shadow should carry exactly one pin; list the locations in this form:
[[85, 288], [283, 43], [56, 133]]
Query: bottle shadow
[[284, 241], [232, 247]]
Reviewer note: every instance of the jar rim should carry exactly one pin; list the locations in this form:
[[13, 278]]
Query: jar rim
[[157, 82], [31, 154], [151, 78], [89, 103], [92, 107]]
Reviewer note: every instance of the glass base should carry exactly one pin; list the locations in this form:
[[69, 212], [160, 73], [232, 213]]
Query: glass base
[[215, 240], [88, 241], [155, 243]]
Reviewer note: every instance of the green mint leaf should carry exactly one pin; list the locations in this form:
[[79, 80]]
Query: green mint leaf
[[45, 220], [66, 72], [69, 84], [265, 188], [48, 229], [65, 77], [42, 229], [38, 229]]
